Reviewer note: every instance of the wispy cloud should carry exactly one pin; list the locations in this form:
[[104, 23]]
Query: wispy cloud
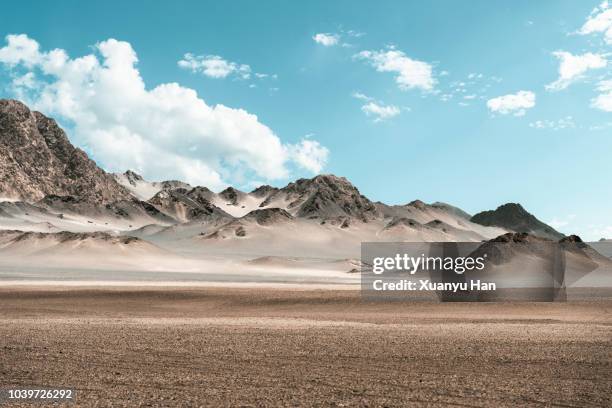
[[363, 97], [378, 110], [326, 39], [214, 66], [410, 73], [573, 67], [339, 37], [559, 124], [470, 87], [599, 22], [604, 100]]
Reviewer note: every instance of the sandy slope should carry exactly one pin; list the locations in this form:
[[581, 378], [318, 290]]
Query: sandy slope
[[243, 242]]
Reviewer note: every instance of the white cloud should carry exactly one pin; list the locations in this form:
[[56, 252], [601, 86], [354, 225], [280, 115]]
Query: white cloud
[[310, 155], [379, 111], [599, 21], [604, 100], [23, 50], [515, 104], [573, 67], [354, 33], [337, 38], [360, 96], [164, 132], [410, 73], [559, 124], [214, 66], [326, 39]]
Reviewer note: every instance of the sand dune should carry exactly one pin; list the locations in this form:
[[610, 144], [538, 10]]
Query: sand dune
[[85, 251]]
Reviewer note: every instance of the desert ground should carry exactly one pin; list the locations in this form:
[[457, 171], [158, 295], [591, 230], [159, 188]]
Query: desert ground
[[301, 346]]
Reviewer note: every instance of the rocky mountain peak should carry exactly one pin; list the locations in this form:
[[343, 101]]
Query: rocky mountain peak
[[513, 217], [133, 177], [417, 204], [186, 205], [451, 209], [37, 159], [231, 195], [199, 194], [263, 191], [326, 196]]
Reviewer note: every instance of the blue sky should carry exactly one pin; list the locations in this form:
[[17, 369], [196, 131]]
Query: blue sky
[[475, 104]]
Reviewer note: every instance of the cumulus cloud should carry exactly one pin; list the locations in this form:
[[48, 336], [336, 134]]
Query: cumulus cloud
[[573, 67], [164, 132], [214, 66], [22, 50], [599, 22], [326, 39], [310, 155], [604, 100], [515, 104], [410, 73]]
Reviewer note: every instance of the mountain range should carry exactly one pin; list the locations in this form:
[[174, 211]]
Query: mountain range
[[54, 193]]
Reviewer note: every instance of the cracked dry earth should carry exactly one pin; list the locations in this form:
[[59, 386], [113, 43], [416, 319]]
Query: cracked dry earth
[[268, 347]]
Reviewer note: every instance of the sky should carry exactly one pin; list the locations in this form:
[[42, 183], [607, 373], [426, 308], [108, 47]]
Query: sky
[[473, 105]]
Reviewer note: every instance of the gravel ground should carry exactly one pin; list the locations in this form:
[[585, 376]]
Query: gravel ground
[[231, 347]]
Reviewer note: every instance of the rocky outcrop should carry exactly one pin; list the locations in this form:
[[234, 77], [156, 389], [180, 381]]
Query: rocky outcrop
[[264, 191], [232, 196], [37, 159], [402, 221], [325, 197], [268, 216], [143, 189], [514, 217], [187, 205]]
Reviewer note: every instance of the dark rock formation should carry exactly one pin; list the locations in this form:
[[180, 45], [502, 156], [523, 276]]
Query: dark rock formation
[[37, 159], [514, 217], [268, 216], [402, 221], [326, 196], [232, 195], [263, 191], [186, 205]]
